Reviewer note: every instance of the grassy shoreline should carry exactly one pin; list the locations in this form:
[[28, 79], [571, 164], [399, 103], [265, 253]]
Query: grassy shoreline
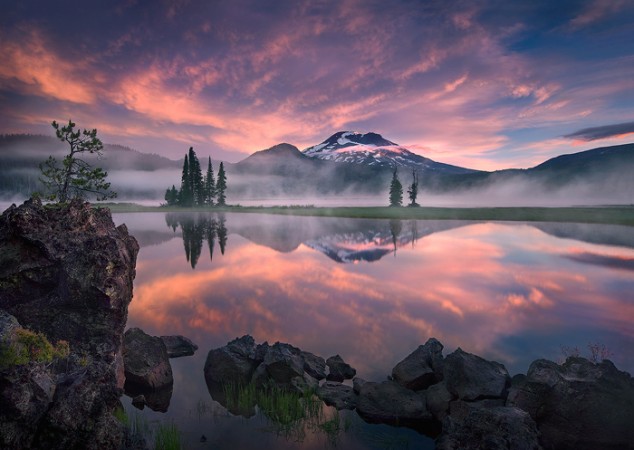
[[616, 215]]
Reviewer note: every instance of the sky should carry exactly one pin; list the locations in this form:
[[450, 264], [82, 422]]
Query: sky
[[485, 84]]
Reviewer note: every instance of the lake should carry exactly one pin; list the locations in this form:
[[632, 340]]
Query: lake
[[371, 291]]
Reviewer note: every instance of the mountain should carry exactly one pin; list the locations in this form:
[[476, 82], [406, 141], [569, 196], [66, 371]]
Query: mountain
[[373, 150]]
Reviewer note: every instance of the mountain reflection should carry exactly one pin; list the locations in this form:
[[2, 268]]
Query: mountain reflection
[[197, 228]]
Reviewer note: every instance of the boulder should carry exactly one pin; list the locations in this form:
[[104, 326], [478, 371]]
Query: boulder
[[389, 402], [339, 369], [338, 395], [178, 346], [579, 404], [283, 362], [234, 363], [501, 428], [314, 365], [145, 361], [65, 271], [357, 383], [469, 377], [422, 368], [438, 398]]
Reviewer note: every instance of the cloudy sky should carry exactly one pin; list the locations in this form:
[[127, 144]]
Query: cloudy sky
[[484, 84]]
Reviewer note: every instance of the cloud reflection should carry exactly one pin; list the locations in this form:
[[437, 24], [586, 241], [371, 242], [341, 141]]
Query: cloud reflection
[[473, 287]]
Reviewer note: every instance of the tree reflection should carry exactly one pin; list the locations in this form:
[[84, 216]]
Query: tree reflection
[[199, 228]]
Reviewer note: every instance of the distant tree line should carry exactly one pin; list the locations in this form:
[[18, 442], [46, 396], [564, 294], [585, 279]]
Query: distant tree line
[[196, 189]]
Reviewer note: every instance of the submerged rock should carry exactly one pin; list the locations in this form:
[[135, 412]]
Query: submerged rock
[[501, 428], [65, 271], [422, 368], [178, 346], [389, 402], [579, 404], [146, 361]]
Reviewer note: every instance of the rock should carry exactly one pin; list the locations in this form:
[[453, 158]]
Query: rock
[[579, 404], [145, 361], [65, 271], [314, 365], [339, 369], [357, 383], [422, 368], [139, 401], [469, 377], [338, 395], [235, 362], [178, 346], [389, 402], [501, 428], [438, 398], [283, 362]]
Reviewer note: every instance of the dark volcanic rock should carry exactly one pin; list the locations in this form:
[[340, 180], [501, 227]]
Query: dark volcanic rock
[[389, 402], [145, 361], [438, 398], [338, 395], [283, 362], [470, 377], [178, 346], [339, 369], [502, 428], [422, 368], [65, 271], [235, 362], [579, 404], [314, 365]]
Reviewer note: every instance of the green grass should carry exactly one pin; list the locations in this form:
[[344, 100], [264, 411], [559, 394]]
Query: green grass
[[167, 437], [619, 215], [30, 346]]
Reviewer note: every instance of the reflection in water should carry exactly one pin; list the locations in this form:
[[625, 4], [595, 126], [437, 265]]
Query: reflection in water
[[197, 228], [515, 293]]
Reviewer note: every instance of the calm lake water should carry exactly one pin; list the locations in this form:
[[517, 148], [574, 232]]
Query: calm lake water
[[371, 291]]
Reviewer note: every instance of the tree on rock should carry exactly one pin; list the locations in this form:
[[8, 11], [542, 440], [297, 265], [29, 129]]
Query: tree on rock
[[75, 178], [221, 185], [396, 190]]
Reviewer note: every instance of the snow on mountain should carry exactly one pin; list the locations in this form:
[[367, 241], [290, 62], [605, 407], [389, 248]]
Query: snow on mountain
[[374, 150]]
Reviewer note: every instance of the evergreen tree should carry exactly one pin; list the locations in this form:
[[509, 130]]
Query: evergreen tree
[[210, 185], [185, 196], [171, 196], [221, 186], [412, 192], [195, 179], [75, 178], [396, 190]]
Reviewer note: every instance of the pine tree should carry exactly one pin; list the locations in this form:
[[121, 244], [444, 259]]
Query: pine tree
[[185, 196], [396, 190], [171, 196], [412, 192], [195, 179], [210, 185], [221, 185], [75, 178]]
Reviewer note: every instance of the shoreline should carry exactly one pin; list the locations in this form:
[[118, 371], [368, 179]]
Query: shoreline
[[613, 215]]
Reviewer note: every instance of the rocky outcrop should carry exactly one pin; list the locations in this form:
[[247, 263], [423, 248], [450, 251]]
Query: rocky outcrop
[[422, 368], [339, 370], [178, 346], [67, 272], [579, 404], [145, 360], [463, 400]]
